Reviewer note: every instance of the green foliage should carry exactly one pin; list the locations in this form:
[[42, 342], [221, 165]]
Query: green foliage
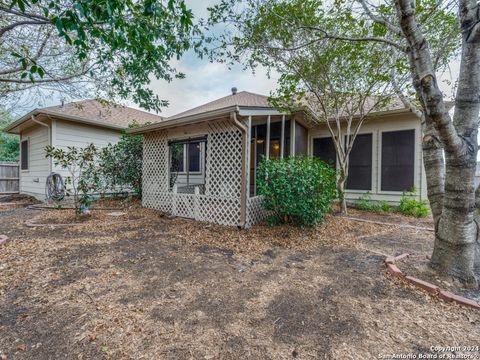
[[131, 41], [78, 162], [120, 164], [409, 205], [312, 43], [366, 203], [298, 190], [9, 144]]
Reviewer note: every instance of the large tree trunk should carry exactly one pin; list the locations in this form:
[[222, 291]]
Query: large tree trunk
[[342, 179], [453, 207]]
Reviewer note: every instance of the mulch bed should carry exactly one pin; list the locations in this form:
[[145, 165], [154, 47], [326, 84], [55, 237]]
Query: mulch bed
[[392, 217], [418, 267], [144, 286]]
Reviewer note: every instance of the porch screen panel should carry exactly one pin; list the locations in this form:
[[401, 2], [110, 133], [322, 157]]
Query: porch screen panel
[[301, 139], [324, 149], [360, 164], [398, 158]]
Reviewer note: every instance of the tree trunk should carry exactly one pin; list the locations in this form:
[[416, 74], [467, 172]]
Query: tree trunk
[[342, 179], [456, 232]]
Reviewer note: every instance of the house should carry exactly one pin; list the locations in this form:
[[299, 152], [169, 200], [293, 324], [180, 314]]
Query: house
[[75, 124], [202, 163]]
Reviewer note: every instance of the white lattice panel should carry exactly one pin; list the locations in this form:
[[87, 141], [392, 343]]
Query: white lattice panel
[[224, 160], [221, 202], [255, 211], [155, 172]]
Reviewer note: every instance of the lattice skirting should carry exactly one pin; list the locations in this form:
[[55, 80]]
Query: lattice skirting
[[219, 210], [256, 212]]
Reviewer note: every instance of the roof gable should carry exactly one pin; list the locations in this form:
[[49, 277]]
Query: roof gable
[[90, 112], [242, 98], [104, 113]]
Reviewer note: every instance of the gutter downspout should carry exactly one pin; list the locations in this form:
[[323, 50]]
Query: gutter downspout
[[243, 192], [49, 135]]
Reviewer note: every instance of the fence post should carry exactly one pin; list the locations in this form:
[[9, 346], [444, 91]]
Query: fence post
[[174, 200], [9, 178], [196, 203]]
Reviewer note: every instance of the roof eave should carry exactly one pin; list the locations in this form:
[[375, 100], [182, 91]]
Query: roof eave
[[185, 120], [10, 128]]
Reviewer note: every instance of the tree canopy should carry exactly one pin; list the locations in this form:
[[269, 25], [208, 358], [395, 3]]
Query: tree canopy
[[115, 46], [9, 144]]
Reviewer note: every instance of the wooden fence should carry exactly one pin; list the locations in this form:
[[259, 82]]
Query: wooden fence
[[9, 178]]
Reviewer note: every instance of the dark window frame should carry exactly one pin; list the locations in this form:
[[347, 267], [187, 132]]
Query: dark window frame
[[202, 154], [27, 154], [381, 179]]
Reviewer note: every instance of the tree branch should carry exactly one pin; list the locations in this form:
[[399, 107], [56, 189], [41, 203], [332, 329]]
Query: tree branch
[[378, 19], [326, 35], [20, 23], [24, 14]]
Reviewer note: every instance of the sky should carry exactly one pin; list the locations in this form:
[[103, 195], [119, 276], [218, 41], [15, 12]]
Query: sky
[[204, 81]]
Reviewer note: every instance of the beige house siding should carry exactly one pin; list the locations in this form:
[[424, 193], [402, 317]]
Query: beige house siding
[[61, 134], [376, 126], [65, 134], [32, 181]]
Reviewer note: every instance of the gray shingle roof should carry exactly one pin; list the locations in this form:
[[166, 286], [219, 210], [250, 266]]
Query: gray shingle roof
[[107, 113], [243, 98]]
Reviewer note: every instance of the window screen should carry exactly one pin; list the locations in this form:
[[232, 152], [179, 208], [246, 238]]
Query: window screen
[[24, 159], [324, 148], [398, 157], [360, 164], [177, 157], [300, 139], [194, 157]]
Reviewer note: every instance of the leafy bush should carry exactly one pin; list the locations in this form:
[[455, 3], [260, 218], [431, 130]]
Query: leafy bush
[[9, 144], [298, 190], [366, 203], [409, 205], [80, 164], [120, 164]]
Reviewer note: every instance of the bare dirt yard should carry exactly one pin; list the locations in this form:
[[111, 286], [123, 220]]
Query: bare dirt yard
[[140, 285]]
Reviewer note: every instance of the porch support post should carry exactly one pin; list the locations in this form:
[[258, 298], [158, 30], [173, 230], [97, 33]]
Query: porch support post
[[249, 154], [282, 138], [174, 199], [267, 142], [243, 190], [292, 137]]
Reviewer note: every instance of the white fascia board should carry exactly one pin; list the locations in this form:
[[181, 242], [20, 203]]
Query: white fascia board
[[259, 112]]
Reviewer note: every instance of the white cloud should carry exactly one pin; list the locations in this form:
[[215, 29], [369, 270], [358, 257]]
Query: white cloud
[[206, 81]]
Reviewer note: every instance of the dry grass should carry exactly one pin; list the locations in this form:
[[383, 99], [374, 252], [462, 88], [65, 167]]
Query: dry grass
[[143, 286]]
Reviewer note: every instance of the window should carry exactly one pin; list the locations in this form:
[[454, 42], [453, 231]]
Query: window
[[360, 164], [24, 155], [186, 156], [398, 157], [324, 148]]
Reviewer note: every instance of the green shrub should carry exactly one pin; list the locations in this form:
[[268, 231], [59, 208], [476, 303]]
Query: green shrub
[[120, 165], [409, 205], [298, 190], [366, 203]]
